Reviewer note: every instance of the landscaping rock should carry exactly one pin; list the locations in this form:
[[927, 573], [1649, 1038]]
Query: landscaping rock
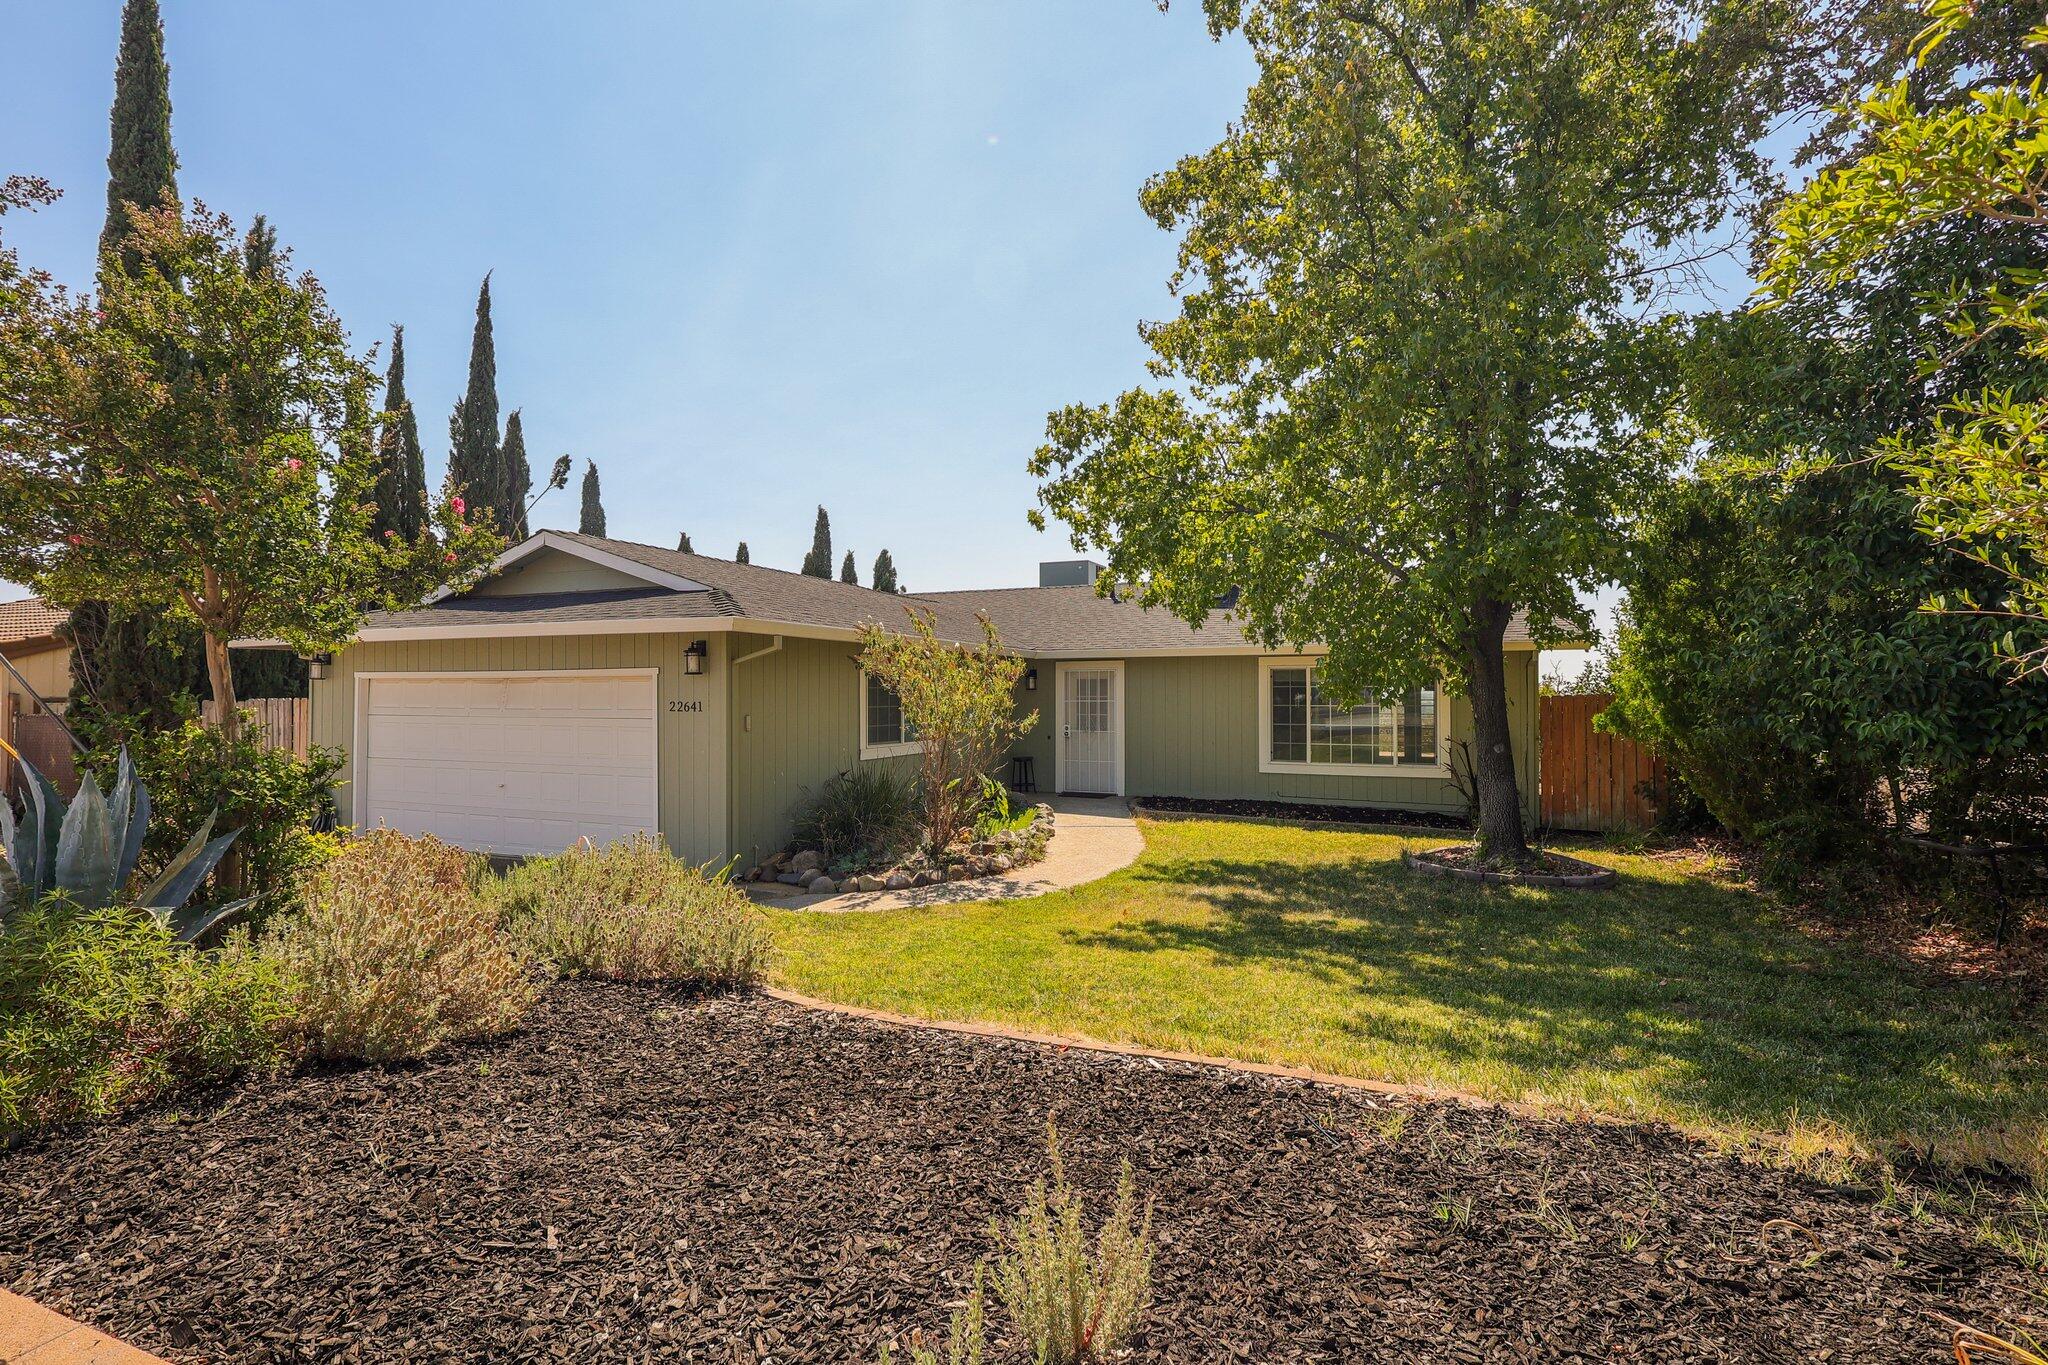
[[790, 878], [807, 861], [898, 880], [869, 883], [1002, 862], [821, 885]]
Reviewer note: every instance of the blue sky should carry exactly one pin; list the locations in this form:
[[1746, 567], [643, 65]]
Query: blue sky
[[748, 257]]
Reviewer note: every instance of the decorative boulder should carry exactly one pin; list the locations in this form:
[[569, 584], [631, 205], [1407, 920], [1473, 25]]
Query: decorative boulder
[[821, 885], [899, 880], [806, 861], [1002, 862], [790, 878], [869, 883]]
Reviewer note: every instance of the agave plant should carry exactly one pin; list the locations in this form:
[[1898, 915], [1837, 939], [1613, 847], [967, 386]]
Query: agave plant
[[87, 852]]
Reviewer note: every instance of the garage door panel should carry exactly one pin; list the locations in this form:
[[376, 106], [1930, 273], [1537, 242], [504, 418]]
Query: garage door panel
[[513, 765]]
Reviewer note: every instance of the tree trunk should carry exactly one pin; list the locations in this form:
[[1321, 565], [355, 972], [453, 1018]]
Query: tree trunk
[[1501, 838], [221, 674]]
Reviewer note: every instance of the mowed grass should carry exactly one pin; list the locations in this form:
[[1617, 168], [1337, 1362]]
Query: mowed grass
[[1680, 996]]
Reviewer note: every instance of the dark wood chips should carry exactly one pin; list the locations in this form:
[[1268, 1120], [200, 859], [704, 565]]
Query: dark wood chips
[[640, 1176]]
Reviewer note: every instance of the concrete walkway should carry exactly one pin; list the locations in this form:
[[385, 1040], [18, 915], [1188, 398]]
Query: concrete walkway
[[31, 1334], [1092, 836]]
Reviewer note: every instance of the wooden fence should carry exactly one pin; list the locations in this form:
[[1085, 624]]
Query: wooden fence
[[39, 738], [287, 721], [1592, 780]]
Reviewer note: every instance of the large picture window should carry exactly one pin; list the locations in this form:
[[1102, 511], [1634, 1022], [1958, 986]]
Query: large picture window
[[884, 731], [1305, 729]]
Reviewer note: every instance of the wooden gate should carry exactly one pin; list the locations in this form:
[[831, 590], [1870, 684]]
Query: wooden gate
[[1592, 780]]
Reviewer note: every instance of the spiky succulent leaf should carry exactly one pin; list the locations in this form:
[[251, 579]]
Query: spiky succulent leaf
[[41, 823], [176, 883], [193, 922], [85, 848], [128, 847], [10, 879]]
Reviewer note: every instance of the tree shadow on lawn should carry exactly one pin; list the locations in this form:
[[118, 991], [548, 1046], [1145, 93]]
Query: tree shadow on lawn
[[1688, 996]]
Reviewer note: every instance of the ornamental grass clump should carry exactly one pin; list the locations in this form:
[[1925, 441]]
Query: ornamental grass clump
[[394, 954], [633, 911]]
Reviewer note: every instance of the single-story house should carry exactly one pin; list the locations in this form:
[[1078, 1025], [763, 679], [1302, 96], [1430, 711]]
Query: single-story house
[[599, 687], [32, 639]]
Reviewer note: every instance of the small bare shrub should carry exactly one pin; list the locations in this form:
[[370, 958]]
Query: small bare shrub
[[394, 954], [1070, 1306], [633, 912]]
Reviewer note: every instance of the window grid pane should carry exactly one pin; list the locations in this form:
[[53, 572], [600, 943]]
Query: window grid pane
[[885, 715], [1308, 727]]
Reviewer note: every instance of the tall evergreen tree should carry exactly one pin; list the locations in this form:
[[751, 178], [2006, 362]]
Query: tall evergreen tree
[[592, 523], [141, 167], [884, 577], [847, 573], [128, 668], [818, 563], [683, 543], [475, 459], [401, 462], [518, 477], [741, 556]]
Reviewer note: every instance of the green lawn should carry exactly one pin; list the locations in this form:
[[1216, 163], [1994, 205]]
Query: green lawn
[[1678, 996]]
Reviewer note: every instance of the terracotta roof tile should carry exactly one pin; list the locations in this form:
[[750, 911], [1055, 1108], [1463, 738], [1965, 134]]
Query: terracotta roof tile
[[31, 618]]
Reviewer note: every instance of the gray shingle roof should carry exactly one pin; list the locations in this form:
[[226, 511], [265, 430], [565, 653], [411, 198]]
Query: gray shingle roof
[[1030, 620]]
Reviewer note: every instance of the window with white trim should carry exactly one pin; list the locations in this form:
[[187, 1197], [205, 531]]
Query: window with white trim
[[884, 729], [1304, 728]]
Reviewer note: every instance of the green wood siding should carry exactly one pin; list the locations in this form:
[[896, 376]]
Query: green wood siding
[[795, 716], [1192, 729], [693, 744], [553, 571]]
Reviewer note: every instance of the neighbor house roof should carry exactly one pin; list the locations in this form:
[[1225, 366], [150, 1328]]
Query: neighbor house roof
[[686, 591], [30, 621]]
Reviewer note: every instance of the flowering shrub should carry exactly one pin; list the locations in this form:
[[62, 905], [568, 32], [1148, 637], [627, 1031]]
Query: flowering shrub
[[633, 912], [101, 1010], [393, 954]]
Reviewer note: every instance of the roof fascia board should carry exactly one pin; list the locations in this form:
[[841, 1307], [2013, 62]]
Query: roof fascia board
[[550, 540]]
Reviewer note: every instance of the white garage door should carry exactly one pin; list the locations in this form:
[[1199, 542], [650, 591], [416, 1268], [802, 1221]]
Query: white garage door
[[527, 763]]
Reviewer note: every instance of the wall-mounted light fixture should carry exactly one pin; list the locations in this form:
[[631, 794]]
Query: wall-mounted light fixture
[[1030, 680], [693, 658], [316, 665]]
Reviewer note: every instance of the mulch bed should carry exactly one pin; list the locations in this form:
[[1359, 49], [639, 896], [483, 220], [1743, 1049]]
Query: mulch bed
[[641, 1176], [1302, 810], [1546, 868]]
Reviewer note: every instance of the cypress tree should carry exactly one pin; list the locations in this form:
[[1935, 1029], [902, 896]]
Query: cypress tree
[[141, 167], [592, 523], [818, 563], [129, 668], [518, 476], [475, 460], [741, 556], [884, 577], [683, 543], [401, 462], [847, 573], [259, 249]]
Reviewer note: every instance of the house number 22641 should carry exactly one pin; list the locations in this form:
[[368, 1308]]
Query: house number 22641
[[686, 706]]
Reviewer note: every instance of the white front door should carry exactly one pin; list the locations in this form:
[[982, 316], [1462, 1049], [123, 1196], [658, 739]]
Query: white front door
[[1091, 729], [514, 763]]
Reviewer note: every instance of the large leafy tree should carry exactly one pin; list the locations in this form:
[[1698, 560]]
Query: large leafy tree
[[1401, 400], [1960, 144], [131, 669], [401, 489], [475, 456], [196, 439]]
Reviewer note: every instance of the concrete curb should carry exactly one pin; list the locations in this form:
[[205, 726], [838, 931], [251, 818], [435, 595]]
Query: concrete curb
[[1270, 1070], [31, 1334]]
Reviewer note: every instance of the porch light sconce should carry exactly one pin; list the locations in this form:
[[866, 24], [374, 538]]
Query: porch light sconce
[[316, 665], [693, 658], [1030, 680]]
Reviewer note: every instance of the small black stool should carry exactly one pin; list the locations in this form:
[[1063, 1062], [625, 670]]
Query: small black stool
[[1023, 773]]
